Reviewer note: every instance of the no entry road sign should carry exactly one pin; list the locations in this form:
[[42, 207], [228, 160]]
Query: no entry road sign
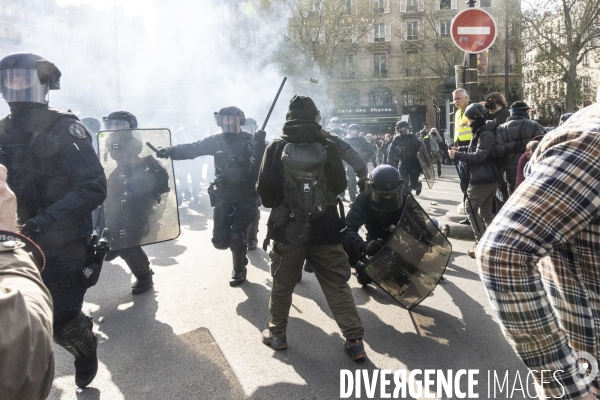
[[473, 30]]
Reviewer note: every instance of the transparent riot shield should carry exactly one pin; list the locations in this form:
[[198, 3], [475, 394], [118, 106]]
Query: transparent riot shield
[[426, 165], [412, 262], [141, 203]]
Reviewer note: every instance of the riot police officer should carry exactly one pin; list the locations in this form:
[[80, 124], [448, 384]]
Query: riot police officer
[[379, 208], [58, 181], [124, 148], [402, 154], [366, 151], [237, 161]]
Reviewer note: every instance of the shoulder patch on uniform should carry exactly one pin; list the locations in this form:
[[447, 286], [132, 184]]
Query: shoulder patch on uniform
[[77, 131]]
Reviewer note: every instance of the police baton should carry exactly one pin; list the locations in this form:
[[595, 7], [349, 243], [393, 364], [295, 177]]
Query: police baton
[[154, 149], [273, 105]]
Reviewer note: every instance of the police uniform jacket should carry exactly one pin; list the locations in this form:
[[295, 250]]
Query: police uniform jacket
[[54, 172], [379, 224], [348, 154], [237, 161], [404, 149]]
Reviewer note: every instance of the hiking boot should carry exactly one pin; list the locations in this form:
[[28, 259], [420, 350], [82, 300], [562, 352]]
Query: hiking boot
[[308, 267], [419, 188], [143, 284], [275, 340], [464, 222], [471, 252], [355, 349]]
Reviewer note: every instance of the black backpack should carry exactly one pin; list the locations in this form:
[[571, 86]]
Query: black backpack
[[305, 190]]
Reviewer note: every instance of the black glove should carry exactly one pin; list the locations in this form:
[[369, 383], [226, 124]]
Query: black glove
[[31, 228], [163, 152], [260, 136], [361, 183], [372, 247]]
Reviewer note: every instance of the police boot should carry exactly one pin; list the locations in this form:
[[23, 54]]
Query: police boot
[[77, 338], [143, 283], [238, 251], [252, 233], [139, 264]]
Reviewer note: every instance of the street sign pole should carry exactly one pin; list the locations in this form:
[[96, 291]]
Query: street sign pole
[[471, 76]]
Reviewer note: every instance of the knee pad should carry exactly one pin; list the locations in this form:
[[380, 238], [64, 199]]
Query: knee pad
[[223, 245]]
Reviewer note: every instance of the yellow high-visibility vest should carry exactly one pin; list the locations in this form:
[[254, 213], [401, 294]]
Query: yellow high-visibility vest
[[462, 130]]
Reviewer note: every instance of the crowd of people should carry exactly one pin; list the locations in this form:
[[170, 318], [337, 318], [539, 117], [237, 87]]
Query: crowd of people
[[531, 200]]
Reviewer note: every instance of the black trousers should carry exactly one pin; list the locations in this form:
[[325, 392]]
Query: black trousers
[[410, 174], [232, 218], [61, 264]]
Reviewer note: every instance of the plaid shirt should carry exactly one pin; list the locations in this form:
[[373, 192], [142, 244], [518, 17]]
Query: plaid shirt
[[540, 258]]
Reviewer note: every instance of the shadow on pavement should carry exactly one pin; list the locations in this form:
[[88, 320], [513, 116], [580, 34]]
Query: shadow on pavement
[[144, 357], [164, 253]]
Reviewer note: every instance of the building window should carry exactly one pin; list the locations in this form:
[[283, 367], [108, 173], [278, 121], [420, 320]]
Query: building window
[[380, 64], [445, 4], [380, 96], [379, 31], [347, 6], [347, 67], [445, 28], [485, 3], [585, 83], [412, 5], [586, 60], [381, 6], [412, 30], [412, 65], [409, 98], [349, 98]]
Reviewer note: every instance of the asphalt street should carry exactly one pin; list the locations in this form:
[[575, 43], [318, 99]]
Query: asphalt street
[[194, 337]]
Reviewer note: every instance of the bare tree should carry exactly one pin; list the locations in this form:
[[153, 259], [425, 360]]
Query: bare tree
[[562, 33]]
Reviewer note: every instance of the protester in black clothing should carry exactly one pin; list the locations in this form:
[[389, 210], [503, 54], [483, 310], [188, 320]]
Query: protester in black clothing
[[305, 230], [511, 139]]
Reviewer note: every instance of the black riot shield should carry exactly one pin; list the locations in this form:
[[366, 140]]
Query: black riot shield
[[141, 203], [426, 165], [414, 259]]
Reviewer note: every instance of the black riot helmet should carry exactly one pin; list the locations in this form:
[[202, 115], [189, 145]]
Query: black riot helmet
[[402, 127], [384, 188], [118, 120], [476, 111], [27, 78], [91, 124], [353, 131], [230, 119]]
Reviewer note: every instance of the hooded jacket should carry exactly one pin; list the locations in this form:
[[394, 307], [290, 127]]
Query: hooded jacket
[[325, 230], [511, 139], [478, 152]]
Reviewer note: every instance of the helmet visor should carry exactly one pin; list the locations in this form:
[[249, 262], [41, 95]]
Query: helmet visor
[[116, 124], [230, 123], [23, 85], [386, 201]]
